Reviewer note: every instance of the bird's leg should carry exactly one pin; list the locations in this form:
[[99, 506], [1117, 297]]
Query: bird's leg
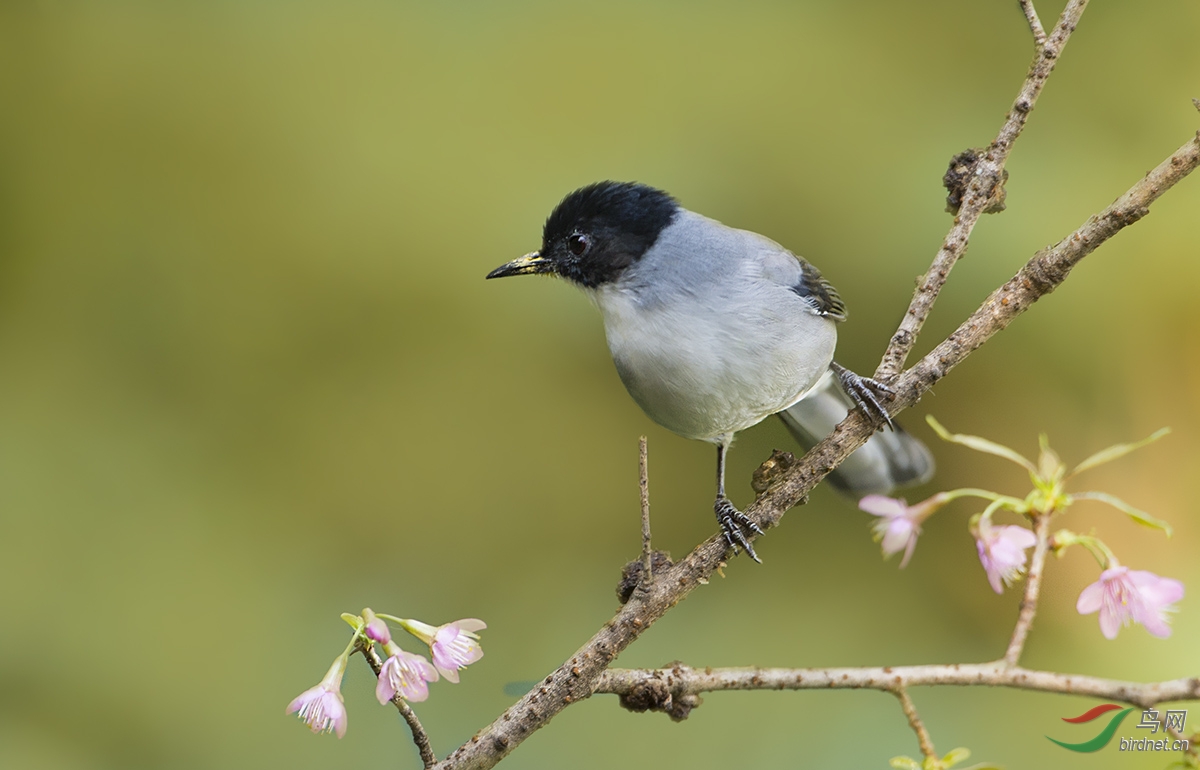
[[732, 520], [863, 390]]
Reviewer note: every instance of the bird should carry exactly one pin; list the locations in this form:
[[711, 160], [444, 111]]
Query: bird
[[713, 329]]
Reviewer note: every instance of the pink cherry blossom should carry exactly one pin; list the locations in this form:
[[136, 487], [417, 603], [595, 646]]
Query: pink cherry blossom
[[1122, 595], [899, 523], [452, 646], [1002, 552], [405, 673], [321, 708], [455, 646]]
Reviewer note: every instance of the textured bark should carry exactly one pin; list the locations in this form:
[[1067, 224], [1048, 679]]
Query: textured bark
[[683, 680], [984, 192]]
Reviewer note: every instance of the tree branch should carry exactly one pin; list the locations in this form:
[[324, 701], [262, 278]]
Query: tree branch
[[1035, 24], [578, 677], [1038, 277], [684, 680], [986, 179], [914, 721], [1033, 587]]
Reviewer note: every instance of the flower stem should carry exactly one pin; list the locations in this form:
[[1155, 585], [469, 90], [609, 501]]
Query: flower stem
[[1012, 503], [1033, 587]]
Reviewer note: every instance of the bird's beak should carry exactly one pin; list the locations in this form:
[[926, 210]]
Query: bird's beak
[[526, 265]]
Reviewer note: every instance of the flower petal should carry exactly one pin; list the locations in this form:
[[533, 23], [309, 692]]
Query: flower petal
[[879, 505], [1110, 624], [1018, 536], [1157, 590], [1090, 599], [908, 551], [384, 689], [896, 536], [1155, 623]]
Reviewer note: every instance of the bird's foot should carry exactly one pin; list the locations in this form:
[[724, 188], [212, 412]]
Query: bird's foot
[[866, 393], [735, 524]]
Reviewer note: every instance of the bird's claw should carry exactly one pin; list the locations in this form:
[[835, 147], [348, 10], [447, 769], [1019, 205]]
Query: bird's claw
[[733, 522], [863, 391]]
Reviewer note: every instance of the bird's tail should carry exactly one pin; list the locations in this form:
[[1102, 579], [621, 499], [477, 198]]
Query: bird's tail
[[890, 458]]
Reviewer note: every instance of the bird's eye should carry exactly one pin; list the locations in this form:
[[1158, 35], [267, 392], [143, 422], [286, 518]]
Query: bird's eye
[[577, 243]]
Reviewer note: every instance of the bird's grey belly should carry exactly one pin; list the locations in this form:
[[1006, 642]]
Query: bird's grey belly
[[707, 378]]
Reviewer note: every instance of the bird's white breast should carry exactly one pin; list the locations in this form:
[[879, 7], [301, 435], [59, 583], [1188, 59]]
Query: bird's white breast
[[706, 333]]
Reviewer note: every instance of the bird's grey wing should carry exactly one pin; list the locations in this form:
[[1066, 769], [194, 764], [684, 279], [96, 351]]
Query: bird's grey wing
[[784, 267]]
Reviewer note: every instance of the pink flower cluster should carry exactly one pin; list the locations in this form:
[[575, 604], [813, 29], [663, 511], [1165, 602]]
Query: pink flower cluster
[[453, 646], [1121, 595]]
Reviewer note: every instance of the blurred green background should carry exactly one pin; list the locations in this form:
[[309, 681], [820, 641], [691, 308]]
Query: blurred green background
[[251, 375]]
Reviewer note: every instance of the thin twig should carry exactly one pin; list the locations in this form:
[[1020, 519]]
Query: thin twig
[[1035, 24], [420, 737], [644, 487], [576, 678], [1033, 587], [1193, 741], [914, 721], [685, 680], [988, 175]]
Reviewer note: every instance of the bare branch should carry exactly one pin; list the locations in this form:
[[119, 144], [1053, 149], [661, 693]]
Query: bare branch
[[914, 721], [1046, 271], [1035, 24], [644, 488], [420, 738], [685, 680], [986, 179], [577, 678], [1038, 277], [1033, 587]]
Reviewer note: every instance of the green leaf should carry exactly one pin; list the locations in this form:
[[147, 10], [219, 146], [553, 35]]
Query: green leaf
[[980, 445], [1141, 517], [354, 621], [955, 756], [1116, 451], [904, 763]]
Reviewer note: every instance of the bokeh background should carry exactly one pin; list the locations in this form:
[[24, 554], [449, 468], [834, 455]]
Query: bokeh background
[[251, 375]]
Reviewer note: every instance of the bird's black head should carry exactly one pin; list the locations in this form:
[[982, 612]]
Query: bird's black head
[[596, 232]]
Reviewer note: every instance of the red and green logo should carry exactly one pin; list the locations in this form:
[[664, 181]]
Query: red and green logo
[[1104, 736]]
